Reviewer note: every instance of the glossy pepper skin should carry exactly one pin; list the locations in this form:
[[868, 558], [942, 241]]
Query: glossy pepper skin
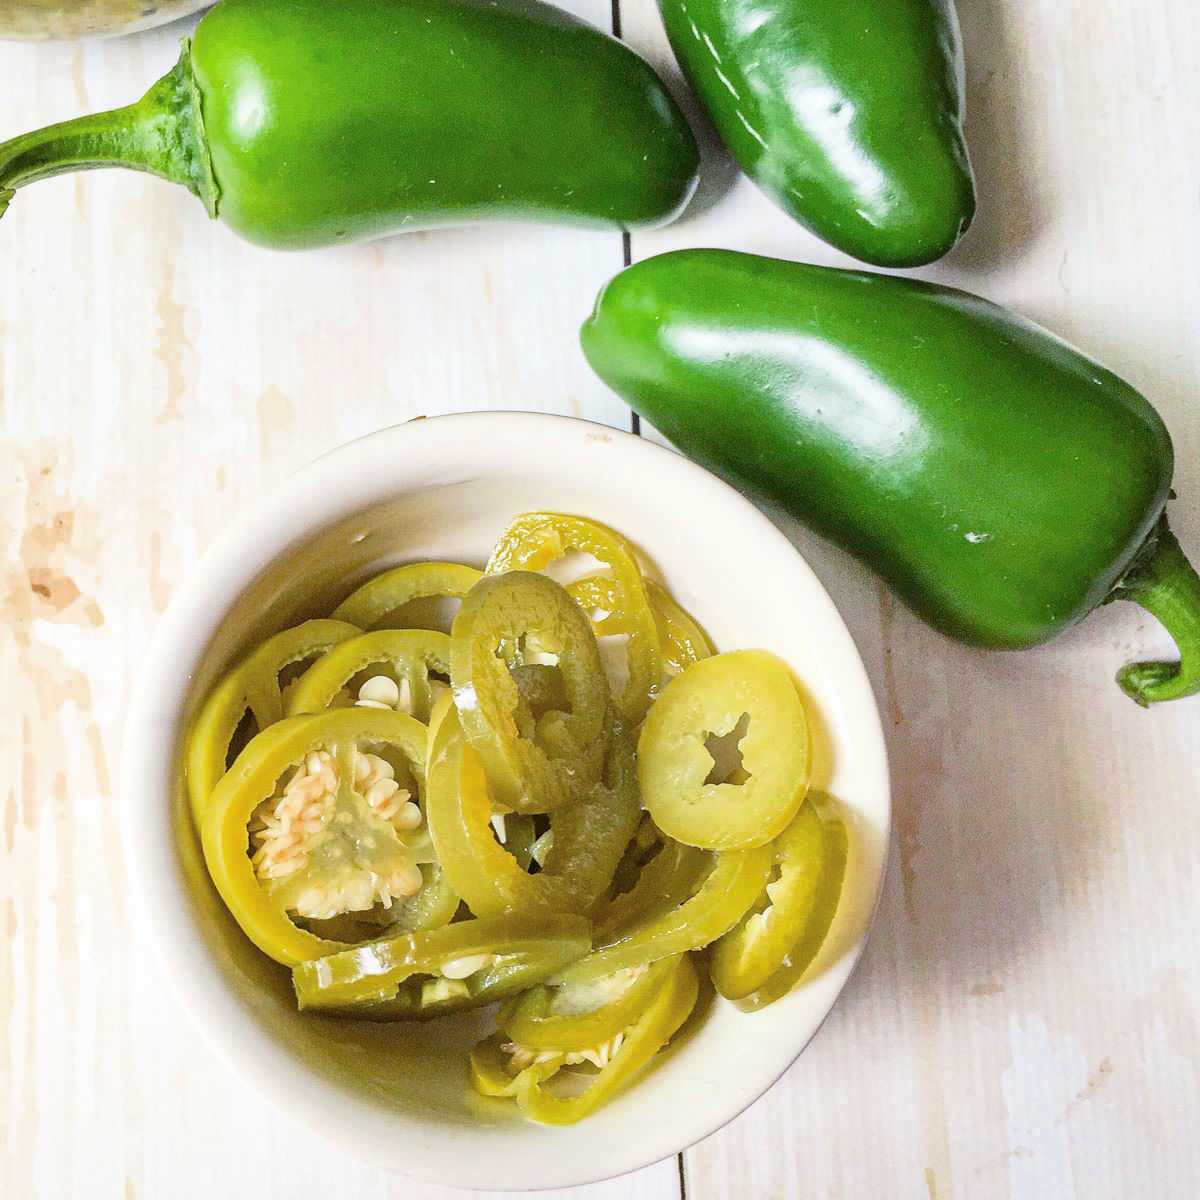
[[1003, 484], [848, 115], [303, 123]]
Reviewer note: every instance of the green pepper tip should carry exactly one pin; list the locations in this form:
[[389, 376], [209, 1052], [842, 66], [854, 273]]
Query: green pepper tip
[[1135, 678]]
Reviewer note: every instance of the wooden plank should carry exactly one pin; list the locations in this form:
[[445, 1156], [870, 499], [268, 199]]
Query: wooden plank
[[156, 376], [1026, 1018], [1026, 1021]]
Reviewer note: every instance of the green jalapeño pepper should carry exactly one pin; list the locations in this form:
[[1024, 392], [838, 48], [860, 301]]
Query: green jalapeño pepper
[[389, 668], [535, 540], [316, 825], [800, 956], [304, 123], [251, 689], [683, 641], [731, 886], [536, 760], [664, 881], [586, 838], [382, 598], [646, 842], [431, 906], [762, 794], [496, 1067], [576, 1018], [770, 947], [848, 115], [426, 974], [1002, 483], [618, 1060]]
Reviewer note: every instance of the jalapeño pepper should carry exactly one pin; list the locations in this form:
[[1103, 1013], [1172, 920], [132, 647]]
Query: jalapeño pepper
[[782, 933], [303, 123], [728, 890], [588, 836], [576, 1018], [430, 907], [1001, 482], [535, 540], [683, 641], [536, 760], [405, 659], [492, 1071], [763, 794], [327, 842], [251, 687], [622, 1059], [426, 974], [665, 878], [378, 600], [848, 115]]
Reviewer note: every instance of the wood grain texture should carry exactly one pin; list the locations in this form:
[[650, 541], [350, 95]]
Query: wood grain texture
[[156, 376], [1026, 1021]]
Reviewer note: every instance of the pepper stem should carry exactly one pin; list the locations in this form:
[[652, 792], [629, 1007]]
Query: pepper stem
[[1166, 585], [162, 133]]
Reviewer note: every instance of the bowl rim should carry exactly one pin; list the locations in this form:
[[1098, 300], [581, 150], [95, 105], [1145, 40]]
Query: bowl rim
[[148, 760]]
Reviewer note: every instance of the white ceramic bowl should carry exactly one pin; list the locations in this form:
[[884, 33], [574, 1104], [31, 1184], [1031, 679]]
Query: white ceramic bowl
[[443, 488]]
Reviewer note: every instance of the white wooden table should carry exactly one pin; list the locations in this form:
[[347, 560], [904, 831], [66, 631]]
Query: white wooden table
[[1026, 1021]]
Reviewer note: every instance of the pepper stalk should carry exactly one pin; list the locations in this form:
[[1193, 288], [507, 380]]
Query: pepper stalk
[[162, 133], [1165, 584]]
